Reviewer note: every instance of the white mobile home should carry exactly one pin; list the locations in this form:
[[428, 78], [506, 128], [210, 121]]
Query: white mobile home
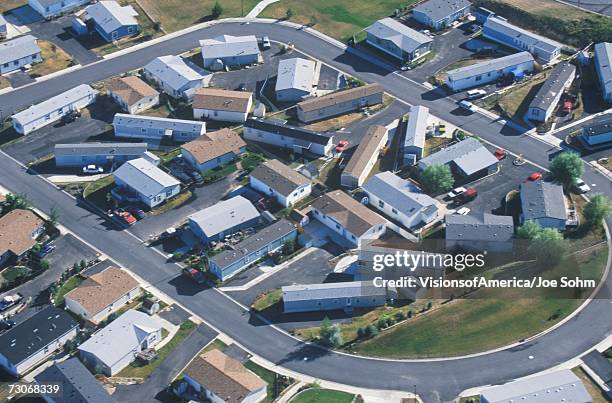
[[82, 154], [548, 96], [141, 181], [276, 179], [157, 129], [603, 65], [295, 79], [19, 52], [222, 105], [226, 51], [415, 133], [398, 40], [365, 156], [176, 76], [54, 8]]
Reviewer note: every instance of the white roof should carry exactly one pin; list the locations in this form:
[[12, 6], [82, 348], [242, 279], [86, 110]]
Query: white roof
[[174, 71], [401, 35], [489, 65], [121, 336], [531, 39], [142, 121], [351, 289], [224, 215], [296, 73], [229, 46], [144, 177], [110, 15], [69, 97], [416, 127], [18, 48]]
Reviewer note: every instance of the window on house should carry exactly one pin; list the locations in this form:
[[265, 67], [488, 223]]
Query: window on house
[[381, 204], [394, 211], [337, 226], [478, 78]]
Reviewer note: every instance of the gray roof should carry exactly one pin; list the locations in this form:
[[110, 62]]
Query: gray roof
[[144, 177], [559, 386], [77, 383], [279, 177], [479, 227], [351, 289], [439, 9], [489, 65], [416, 127], [295, 73], [100, 149], [400, 194], [142, 121], [18, 48], [174, 71], [603, 58], [224, 215], [542, 200], [229, 46], [280, 128], [600, 125], [536, 41], [469, 155], [401, 35], [554, 84], [253, 243], [110, 15]]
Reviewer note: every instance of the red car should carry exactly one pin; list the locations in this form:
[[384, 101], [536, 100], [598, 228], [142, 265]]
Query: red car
[[194, 275], [127, 217], [500, 154], [469, 195], [534, 177], [342, 145], [567, 107]]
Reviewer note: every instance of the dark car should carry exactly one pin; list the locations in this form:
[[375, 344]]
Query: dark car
[[136, 212], [242, 87], [6, 324], [70, 117], [199, 180], [46, 249]]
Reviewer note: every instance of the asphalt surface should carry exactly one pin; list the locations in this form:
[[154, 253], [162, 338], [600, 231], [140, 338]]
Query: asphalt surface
[[437, 380]]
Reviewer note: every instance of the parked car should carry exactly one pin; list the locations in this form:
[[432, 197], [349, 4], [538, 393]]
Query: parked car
[[473, 94], [468, 195], [169, 233], [125, 216], [70, 117], [136, 212], [194, 275], [199, 180], [241, 87], [534, 177], [475, 27], [456, 192], [581, 186], [567, 107], [467, 106], [93, 169], [342, 146], [265, 43], [500, 154], [46, 249], [9, 301], [463, 211], [6, 324]]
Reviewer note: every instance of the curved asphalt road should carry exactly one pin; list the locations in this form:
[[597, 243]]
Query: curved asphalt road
[[435, 381]]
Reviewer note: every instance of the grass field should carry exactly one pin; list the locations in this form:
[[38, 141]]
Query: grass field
[[54, 59], [515, 102], [268, 299], [7, 5], [318, 395], [69, 285], [173, 203]]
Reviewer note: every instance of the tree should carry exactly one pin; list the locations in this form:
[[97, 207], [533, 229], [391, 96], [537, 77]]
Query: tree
[[17, 201], [566, 168], [437, 178], [330, 334], [289, 13], [548, 247], [217, 10], [82, 264], [529, 230], [53, 218], [597, 209], [371, 331], [288, 247], [44, 264], [361, 332]]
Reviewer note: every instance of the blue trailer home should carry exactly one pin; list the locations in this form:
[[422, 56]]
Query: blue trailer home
[[112, 21], [439, 14]]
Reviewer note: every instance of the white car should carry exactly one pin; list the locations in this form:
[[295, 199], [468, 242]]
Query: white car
[[581, 186], [473, 94], [265, 43], [467, 106], [456, 192], [463, 211], [93, 169]]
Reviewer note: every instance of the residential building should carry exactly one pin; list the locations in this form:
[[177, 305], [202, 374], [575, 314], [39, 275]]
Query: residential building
[[598, 131], [334, 296], [340, 102], [113, 21], [415, 134], [18, 232], [76, 382], [299, 140], [479, 231], [52, 110], [275, 179], [116, 345], [364, 158], [228, 51], [295, 79], [156, 129], [32, 341], [19, 52], [467, 159], [222, 105], [54, 8], [400, 200], [140, 181], [558, 386], [548, 96], [489, 71], [398, 40], [500, 30], [177, 77], [101, 294], [224, 218], [213, 149], [603, 66], [220, 378], [240, 256], [3, 27], [347, 217], [132, 94], [544, 203], [83, 154], [439, 14]]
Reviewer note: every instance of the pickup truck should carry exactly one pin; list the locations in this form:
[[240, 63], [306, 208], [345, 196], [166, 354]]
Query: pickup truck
[[194, 275], [9, 301]]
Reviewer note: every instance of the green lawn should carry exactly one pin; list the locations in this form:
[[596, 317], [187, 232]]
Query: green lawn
[[251, 161], [270, 378], [98, 192], [218, 173], [318, 395], [14, 272], [69, 285], [268, 299]]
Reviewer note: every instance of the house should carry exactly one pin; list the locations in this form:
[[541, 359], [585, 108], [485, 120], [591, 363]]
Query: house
[[340, 102], [177, 77], [115, 346], [364, 158], [277, 180], [467, 159], [101, 294], [231, 261], [53, 8], [220, 378], [52, 110], [439, 14], [544, 203], [19, 52], [548, 96], [157, 129], [228, 51], [500, 30], [415, 134], [3, 28], [299, 140], [598, 131], [295, 79], [479, 231], [398, 40], [76, 383], [132, 94], [558, 386], [222, 105], [18, 232], [489, 71], [400, 200], [113, 21], [347, 217], [603, 66], [141, 181], [32, 341], [224, 218], [333, 296], [114, 154], [213, 149]]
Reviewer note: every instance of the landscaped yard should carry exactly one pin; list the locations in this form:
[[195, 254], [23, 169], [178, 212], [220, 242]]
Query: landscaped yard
[[318, 395], [270, 378], [219, 173], [54, 59], [516, 101], [338, 122], [251, 161], [173, 203], [98, 192], [14, 272], [70, 284], [267, 300]]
